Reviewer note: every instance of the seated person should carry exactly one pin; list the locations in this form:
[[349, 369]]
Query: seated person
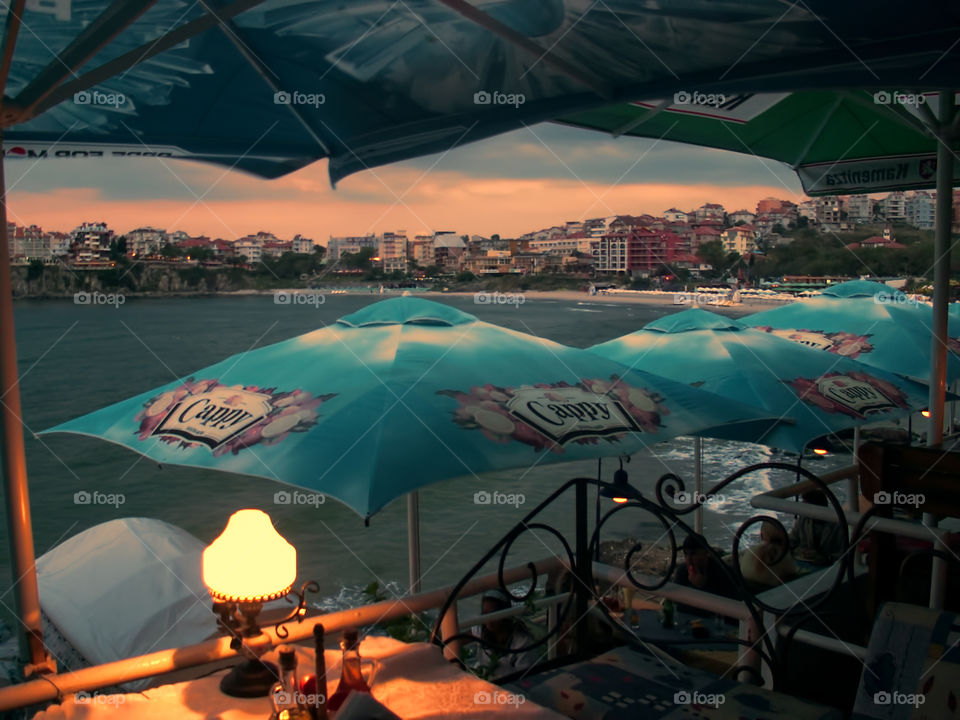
[[703, 571], [769, 563], [503, 633], [816, 541]]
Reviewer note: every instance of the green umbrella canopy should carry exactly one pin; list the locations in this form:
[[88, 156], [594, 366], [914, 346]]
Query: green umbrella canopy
[[838, 142]]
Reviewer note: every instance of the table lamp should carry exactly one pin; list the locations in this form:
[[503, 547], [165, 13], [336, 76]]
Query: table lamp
[[248, 565]]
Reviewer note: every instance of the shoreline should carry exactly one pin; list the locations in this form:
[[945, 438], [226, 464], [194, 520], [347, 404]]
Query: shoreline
[[650, 298], [665, 298]]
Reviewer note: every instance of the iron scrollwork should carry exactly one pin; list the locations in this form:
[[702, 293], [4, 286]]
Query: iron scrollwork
[[671, 519]]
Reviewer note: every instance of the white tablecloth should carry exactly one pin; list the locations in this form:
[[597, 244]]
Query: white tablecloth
[[412, 680]]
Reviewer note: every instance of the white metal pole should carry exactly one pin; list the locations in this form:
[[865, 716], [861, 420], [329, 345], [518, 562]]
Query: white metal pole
[[413, 540], [17, 495], [853, 481], [941, 301], [941, 269], [698, 479]]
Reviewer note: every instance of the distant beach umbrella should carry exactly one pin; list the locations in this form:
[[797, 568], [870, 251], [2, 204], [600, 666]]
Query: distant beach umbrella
[[404, 393], [819, 393], [865, 321]]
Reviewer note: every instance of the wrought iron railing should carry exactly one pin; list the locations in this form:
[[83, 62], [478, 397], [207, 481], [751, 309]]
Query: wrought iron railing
[[578, 558]]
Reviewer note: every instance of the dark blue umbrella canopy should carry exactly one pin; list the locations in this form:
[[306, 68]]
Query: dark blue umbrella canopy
[[271, 86]]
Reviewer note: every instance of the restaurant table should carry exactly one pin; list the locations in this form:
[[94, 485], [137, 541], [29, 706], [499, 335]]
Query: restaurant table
[[413, 680], [715, 653]]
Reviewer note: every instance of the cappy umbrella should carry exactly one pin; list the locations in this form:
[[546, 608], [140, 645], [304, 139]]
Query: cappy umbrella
[[865, 321], [820, 393], [404, 393]]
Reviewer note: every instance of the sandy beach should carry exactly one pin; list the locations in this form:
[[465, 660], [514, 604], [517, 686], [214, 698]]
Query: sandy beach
[[659, 299]]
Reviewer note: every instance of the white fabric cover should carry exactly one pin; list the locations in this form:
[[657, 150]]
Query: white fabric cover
[[126, 587]]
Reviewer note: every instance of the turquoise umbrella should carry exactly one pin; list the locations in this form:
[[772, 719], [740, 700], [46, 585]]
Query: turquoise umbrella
[[401, 394], [865, 321], [821, 394]]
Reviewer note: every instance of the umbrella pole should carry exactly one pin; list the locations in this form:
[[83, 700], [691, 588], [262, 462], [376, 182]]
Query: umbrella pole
[[941, 269], [583, 567], [698, 479], [853, 482], [941, 300], [413, 539], [17, 495], [596, 555]]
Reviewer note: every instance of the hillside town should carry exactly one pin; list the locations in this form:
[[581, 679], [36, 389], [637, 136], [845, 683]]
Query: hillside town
[[635, 246]]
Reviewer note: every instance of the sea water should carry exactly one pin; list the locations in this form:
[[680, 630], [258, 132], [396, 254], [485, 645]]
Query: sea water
[[77, 358]]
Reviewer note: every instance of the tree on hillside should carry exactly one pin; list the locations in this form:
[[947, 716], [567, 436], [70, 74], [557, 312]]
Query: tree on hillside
[[358, 260], [118, 248], [713, 254], [201, 254]]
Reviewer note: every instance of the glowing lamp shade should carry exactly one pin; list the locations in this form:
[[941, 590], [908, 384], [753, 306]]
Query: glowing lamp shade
[[250, 561], [620, 500], [820, 451], [925, 413]]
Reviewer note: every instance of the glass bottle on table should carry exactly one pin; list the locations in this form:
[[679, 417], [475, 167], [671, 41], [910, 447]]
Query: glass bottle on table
[[351, 671], [285, 694]]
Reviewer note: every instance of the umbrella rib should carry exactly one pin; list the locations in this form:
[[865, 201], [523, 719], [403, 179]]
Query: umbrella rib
[[144, 52], [110, 23], [896, 111], [13, 29], [818, 133], [643, 119], [505, 32], [233, 34]]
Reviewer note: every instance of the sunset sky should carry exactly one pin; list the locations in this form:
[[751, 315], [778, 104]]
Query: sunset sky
[[522, 181]]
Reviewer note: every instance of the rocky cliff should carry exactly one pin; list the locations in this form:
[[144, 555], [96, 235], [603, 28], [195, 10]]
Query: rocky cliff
[[137, 279]]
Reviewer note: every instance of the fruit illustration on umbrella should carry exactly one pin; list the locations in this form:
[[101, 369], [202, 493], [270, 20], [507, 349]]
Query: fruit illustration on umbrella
[[588, 411]]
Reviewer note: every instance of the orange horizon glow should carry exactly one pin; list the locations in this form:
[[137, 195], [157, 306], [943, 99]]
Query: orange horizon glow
[[393, 198]]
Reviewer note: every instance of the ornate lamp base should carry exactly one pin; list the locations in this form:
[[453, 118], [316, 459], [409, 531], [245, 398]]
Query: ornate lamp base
[[252, 678]]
